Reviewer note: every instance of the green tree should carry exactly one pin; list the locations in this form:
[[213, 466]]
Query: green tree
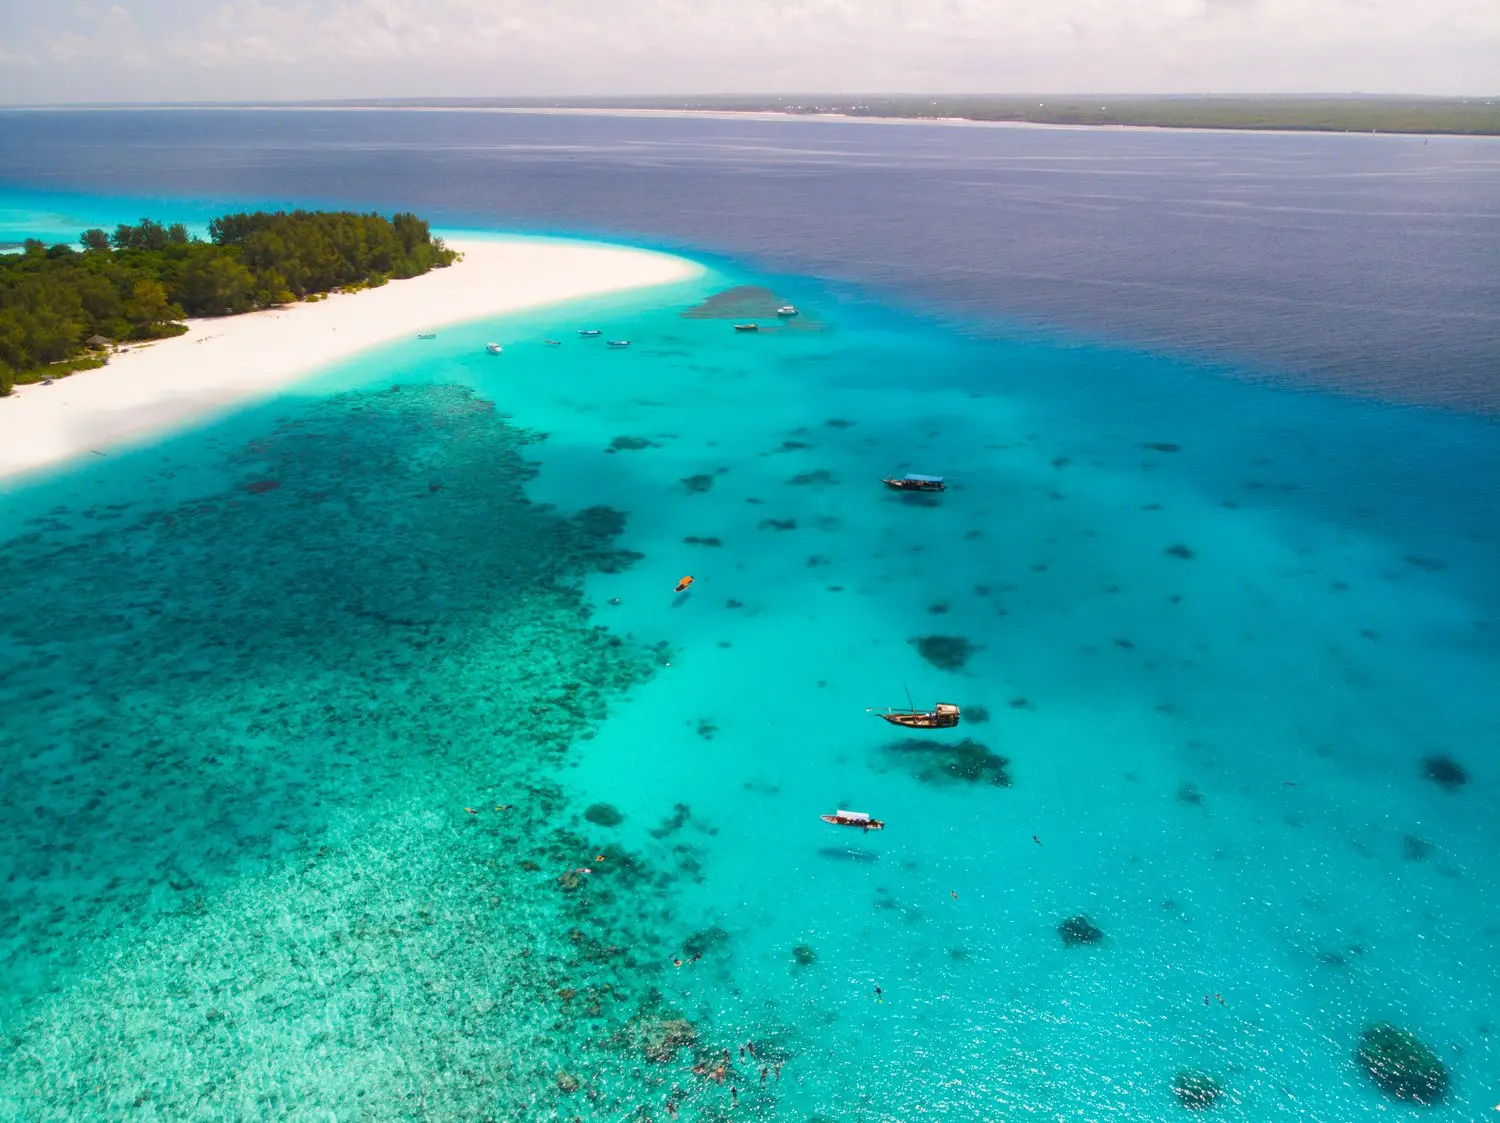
[[148, 306], [94, 240], [214, 285], [7, 378]]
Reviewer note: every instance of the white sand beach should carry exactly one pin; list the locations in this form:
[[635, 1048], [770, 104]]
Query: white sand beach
[[223, 362]]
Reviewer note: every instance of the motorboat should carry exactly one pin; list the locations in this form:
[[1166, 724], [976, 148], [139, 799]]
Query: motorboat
[[617, 343], [553, 342], [912, 482], [747, 327], [786, 311], [853, 819], [944, 715], [493, 348], [427, 335], [589, 333]]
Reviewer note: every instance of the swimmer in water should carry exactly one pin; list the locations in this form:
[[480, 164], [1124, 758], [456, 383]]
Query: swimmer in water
[[1036, 840], [676, 963]]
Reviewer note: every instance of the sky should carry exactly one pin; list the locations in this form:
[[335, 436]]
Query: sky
[[55, 51]]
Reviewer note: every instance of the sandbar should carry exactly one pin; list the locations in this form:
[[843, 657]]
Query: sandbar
[[226, 361]]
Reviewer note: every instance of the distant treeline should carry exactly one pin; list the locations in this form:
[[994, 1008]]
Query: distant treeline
[[1478, 116], [59, 305]]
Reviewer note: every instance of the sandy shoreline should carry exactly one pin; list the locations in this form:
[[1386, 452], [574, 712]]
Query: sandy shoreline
[[221, 363]]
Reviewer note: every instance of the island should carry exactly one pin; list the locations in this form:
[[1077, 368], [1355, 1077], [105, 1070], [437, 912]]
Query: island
[[1347, 113], [63, 310]]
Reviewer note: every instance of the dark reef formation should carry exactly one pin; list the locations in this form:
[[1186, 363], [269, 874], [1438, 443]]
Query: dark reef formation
[[603, 815], [1195, 1090], [698, 483], [804, 955], [941, 763], [1402, 1065], [1188, 793], [947, 653], [1180, 551], [1445, 772], [1079, 931]]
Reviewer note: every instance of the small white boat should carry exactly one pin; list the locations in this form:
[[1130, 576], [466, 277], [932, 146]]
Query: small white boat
[[589, 333], [747, 327], [853, 819], [427, 335], [786, 311], [493, 348], [553, 342], [617, 343]]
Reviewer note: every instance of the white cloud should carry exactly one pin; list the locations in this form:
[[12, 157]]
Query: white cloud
[[179, 49]]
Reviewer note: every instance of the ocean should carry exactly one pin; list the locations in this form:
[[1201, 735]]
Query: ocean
[[316, 715]]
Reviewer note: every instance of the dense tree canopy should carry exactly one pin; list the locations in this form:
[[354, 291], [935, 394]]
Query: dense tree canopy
[[140, 281]]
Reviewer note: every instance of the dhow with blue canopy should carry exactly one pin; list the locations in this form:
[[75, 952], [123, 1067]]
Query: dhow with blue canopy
[[913, 482]]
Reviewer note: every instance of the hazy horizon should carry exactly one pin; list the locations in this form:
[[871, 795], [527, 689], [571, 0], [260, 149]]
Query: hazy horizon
[[166, 51]]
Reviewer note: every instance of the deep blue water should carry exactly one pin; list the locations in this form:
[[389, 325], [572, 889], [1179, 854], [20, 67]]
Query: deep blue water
[[1220, 632], [1367, 262]]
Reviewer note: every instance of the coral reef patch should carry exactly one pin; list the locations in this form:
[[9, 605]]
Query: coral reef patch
[[1079, 931], [947, 653], [1445, 772], [1196, 1091], [941, 763], [1402, 1065]]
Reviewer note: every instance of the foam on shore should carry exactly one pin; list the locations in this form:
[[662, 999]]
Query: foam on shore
[[222, 362]]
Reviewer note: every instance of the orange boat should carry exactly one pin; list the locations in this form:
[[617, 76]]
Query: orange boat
[[853, 819], [683, 584]]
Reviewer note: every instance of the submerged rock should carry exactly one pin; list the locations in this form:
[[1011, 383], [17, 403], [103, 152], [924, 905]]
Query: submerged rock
[[1195, 1091], [966, 762], [698, 483], [1180, 551], [1402, 1065], [659, 1035], [804, 955], [604, 815], [947, 653], [1079, 931], [1445, 772], [701, 943]]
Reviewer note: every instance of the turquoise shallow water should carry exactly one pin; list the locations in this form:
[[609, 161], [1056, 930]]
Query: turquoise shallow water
[[256, 676]]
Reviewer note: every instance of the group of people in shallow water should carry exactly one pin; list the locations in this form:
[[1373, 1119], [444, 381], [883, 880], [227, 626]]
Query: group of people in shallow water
[[718, 1070]]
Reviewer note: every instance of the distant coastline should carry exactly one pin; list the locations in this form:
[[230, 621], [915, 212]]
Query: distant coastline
[[1406, 116], [224, 361]]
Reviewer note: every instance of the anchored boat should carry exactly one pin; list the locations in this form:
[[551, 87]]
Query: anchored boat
[[493, 348], [786, 311], [747, 327], [427, 335], [913, 482], [853, 819], [553, 342], [617, 343], [944, 716]]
